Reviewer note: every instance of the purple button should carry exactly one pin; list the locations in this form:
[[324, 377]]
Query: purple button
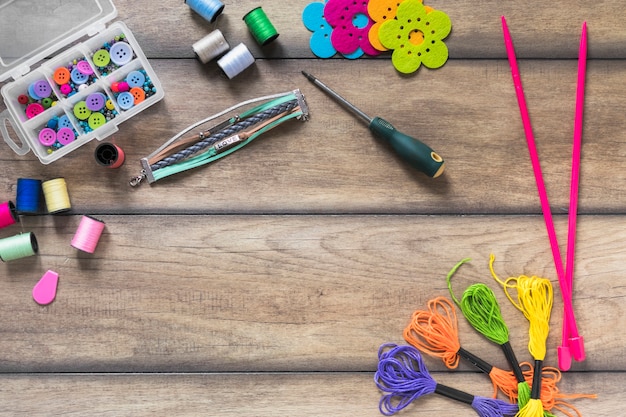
[[42, 89], [95, 101], [84, 67], [65, 136], [47, 136]]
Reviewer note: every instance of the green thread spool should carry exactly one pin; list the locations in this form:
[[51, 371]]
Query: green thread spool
[[260, 26], [18, 246]]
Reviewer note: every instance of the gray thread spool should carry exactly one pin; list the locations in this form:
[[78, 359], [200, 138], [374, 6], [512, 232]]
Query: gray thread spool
[[211, 46]]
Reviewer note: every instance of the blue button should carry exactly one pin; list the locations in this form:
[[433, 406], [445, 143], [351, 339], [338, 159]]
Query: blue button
[[64, 121], [32, 94], [78, 77], [135, 79], [125, 100], [121, 53]]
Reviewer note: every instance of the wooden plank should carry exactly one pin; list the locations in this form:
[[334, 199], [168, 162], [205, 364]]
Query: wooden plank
[[258, 395], [549, 30], [467, 111], [285, 293]]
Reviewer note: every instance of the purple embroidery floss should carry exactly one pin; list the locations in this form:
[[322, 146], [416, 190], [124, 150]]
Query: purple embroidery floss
[[404, 376]]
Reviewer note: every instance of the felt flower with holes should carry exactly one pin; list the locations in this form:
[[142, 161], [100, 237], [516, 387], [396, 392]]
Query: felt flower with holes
[[380, 11], [320, 42], [416, 37], [351, 25]]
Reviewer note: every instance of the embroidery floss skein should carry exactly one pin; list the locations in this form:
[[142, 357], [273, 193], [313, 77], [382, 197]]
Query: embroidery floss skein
[[435, 332], [208, 9], [260, 26], [403, 375], [88, 234], [18, 246], [211, 46], [28, 195], [8, 214], [236, 61], [56, 195]]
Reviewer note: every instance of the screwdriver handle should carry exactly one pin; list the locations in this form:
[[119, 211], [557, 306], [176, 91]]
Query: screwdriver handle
[[416, 153]]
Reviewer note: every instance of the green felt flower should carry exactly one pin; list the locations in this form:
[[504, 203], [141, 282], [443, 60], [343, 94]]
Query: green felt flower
[[416, 37]]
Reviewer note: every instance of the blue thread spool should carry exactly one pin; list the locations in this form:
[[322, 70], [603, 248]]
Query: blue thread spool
[[28, 195], [208, 9]]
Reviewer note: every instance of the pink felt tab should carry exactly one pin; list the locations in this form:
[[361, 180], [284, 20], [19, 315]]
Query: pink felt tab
[[45, 290], [346, 36]]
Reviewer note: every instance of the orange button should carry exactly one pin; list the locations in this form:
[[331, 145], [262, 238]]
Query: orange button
[[138, 94], [61, 76]]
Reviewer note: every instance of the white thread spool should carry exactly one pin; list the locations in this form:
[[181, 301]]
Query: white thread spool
[[237, 60], [211, 46]]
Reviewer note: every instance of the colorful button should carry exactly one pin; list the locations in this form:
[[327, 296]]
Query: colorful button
[[46, 102], [32, 93], [109, 105], [125, 100], [61, 76], [33, 110], [121, 53], [65, 136], [81, 111], [66, 89], [138, 95], [135, 79], [122, 86], [95, 101], [96, 120], [78, 77], [53, 123], [47, 136], [64, 121], [84, 67], [42, 88], [22, 99], [101, 58]]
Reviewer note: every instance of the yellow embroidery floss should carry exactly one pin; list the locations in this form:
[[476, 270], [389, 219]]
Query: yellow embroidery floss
[[56, 195]]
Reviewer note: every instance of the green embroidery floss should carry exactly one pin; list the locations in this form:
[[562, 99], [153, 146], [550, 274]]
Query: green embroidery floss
[[18, 246], [260, 26]]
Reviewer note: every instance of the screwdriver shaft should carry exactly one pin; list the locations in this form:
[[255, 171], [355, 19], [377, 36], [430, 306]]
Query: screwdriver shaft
[[339, 98]]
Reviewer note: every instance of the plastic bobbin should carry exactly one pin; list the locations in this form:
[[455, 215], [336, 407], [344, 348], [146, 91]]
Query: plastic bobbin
[[8, 214], [109, 155], [208, 9], [88, 234], [260, 26], [18, 246], [236, 61], [211, 46], [56, 195]]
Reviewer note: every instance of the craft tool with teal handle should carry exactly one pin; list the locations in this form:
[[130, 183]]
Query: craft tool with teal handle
[[415, 152]]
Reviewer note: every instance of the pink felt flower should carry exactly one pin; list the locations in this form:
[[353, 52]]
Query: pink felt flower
[[349, 33]]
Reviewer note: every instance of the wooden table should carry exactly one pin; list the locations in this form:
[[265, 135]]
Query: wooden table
[[263, 284]]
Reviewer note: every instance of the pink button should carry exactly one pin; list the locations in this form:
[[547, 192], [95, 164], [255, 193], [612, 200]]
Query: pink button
[[47, 136], [123, 86], [65, 136], [33, 109], [84, 67], [66, 89]]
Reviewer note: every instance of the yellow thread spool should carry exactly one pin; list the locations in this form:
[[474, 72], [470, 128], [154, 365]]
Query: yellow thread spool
[[56, 195]]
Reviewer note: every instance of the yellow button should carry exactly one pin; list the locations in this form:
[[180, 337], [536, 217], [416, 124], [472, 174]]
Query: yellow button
[[109, 104]]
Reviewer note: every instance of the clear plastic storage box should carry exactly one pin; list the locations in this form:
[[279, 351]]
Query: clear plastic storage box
[[73, 96]]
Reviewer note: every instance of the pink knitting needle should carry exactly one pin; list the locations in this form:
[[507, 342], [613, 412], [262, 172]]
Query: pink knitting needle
[[571, 337], [564, 353]]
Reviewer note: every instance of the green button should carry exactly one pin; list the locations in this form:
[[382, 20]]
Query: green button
[[101, 58], [81, 111], [96, 120], [46, 102]]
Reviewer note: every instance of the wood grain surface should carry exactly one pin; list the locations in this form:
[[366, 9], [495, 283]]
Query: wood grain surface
[[264, 284]]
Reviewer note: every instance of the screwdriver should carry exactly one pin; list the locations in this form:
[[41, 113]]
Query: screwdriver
[[416, 153]]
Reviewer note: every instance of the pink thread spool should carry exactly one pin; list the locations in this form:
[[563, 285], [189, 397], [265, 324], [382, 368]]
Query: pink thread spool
[[88, 234], [8, 214]]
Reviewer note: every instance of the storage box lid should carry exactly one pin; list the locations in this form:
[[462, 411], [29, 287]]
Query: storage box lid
[[31, 30]]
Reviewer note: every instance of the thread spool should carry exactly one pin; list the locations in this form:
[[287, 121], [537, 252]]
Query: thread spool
[[28, 195], [109, 155], [88, 234], [260, 26], [208, 9], [236, 61], [211, 46], [18, 246], [56, 195], [8, 214]]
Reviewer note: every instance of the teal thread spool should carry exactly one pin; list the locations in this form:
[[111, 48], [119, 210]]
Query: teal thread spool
[[18, 246], [260, 26]]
